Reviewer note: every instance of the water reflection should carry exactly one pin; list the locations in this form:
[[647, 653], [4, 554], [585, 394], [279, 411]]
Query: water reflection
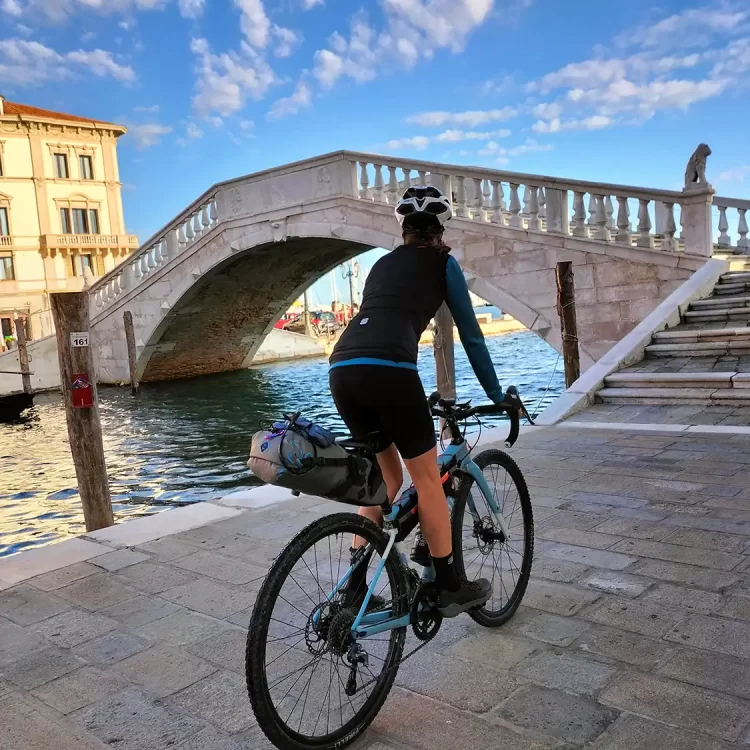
[[187, 441]]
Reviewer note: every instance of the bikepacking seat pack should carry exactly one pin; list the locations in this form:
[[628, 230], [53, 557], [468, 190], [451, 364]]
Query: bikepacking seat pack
[[302, 456]]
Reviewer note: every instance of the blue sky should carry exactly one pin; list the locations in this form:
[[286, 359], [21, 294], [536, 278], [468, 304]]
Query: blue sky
[[211, 89]]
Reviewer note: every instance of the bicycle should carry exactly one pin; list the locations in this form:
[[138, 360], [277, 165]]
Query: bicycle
[[316, 631]]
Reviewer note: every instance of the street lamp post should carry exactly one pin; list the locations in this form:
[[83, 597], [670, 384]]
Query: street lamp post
[[351, 272]]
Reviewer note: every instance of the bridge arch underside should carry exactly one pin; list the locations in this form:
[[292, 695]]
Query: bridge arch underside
[[222, 319]]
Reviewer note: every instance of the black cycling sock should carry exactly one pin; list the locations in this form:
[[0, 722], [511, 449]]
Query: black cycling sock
[[358, 578], [445, 573]]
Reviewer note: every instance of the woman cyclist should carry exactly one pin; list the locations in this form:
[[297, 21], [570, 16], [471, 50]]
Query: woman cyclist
[[377, 389]]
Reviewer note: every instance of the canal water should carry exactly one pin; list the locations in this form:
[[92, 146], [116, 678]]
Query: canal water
[[187, 441]]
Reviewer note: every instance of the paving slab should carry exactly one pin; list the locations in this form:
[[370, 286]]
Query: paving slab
[[557, 598], [118, 559], [96, 592], [110, 648], [35, 669], [673, 702], [25, 604], [677, 553], [690, 575], [56, 579], [211, 597], [79, 689], [74, 627], [585, 556], [495, 650], [140, 610], [566, 717], [163, 670], [153, 578], [684, 599], [221, 567], [181, 628], [131, 720], [725, 636], [553, 569], [573, 673], [615, 582], [634, 733], [709, 670], [17, 642], [644, 618], [557, 631], [226, 650], [623, 646]]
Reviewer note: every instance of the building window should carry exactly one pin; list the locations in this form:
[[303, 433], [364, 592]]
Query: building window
[[61, 166], [80, 221], [65, 220], [93, 221], [6, 269], [87, 167], [4, 226]]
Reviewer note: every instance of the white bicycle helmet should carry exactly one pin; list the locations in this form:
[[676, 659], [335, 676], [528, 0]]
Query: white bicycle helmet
[[423, 208]]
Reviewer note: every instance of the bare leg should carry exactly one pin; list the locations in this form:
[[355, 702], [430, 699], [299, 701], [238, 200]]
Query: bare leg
[[393, 476], [434, 518]]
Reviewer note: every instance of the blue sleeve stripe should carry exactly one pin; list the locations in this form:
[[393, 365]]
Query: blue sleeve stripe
[[373, 361], [459, 302]]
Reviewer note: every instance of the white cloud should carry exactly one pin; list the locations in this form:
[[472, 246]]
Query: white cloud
[[413, 29], [152, 108], [29, 63], [309, 4], [226, 81], [101, 64], [215, 121], [254, 22], [419, 142], [191, 8], [247, 125], [528, 147], [148, 134], [193, 131], [61, 10], [555, 125], [736, 174], [287, 40], [11, 7], [452, 136], [463, 119], [291, 105]]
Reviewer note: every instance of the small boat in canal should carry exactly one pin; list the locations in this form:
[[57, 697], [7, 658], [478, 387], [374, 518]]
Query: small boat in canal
[[13, 405]]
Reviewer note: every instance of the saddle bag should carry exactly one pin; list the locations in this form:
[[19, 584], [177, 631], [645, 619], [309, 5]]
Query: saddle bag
[[298, 454]]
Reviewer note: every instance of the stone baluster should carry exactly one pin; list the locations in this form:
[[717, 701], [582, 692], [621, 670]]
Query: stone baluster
[[592, 210], [497, 204], [197, 226], [579, 216], [205, 220], [610, 214], [742, 243], [364, 181], [182, 236], [623, 221], [422, 177], [668, 242], [393, 191], [645, 238], [602, 232], [515, 207], [377, 192], [533, 208], [172, 244], [478, 202], [213, 211], [189, 233], [152, 257], [724, 240], [462, 203], [486, 198], [542, 203], [407, 178]]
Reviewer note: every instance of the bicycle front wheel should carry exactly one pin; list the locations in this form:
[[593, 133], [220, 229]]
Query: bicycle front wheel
[[308, 682], [479, 549]]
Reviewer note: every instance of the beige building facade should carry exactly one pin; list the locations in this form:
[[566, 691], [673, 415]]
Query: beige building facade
[[61, 218]]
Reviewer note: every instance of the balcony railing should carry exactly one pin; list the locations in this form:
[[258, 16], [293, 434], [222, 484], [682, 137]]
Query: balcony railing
[[57, 241], [5, 240]]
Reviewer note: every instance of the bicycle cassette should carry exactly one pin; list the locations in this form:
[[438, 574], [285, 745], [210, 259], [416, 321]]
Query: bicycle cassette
[[425, 619]]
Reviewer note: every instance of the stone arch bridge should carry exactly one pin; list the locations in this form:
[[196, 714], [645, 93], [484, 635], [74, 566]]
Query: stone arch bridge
[[206, 289]]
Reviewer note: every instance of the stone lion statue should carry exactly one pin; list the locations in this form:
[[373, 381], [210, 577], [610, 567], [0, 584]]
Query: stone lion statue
[[695, 173]]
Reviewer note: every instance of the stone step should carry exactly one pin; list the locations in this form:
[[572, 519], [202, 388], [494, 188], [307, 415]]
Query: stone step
[[726, 301], [731, 289], [716, 316], [674, 396], [707, 349], [680, 336], [670, 380], [734, 277]]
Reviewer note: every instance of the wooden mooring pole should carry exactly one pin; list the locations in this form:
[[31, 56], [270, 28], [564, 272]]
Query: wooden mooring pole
[[566, 309], [127, 318], [70, 311], [23, 354], [445, 360]]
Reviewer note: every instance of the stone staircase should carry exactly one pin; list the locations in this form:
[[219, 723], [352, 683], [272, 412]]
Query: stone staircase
[[705, 360]]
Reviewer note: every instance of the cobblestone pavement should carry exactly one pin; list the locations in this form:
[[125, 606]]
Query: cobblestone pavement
[[634, 633], [679, 414]]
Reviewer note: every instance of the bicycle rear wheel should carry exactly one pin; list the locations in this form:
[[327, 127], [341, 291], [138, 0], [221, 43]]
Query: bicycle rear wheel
[[477, 549], [298, 658]]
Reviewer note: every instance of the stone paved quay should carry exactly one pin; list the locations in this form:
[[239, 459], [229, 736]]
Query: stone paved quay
[[634, 633]]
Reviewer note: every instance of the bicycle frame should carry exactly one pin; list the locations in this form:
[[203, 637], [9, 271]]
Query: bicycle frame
[[367, 624]]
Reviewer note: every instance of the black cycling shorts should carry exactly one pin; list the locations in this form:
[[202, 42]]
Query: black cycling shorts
[[388, 400]]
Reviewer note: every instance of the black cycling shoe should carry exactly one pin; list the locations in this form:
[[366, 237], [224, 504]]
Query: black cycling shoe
[[469, 595], [353, 599]]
